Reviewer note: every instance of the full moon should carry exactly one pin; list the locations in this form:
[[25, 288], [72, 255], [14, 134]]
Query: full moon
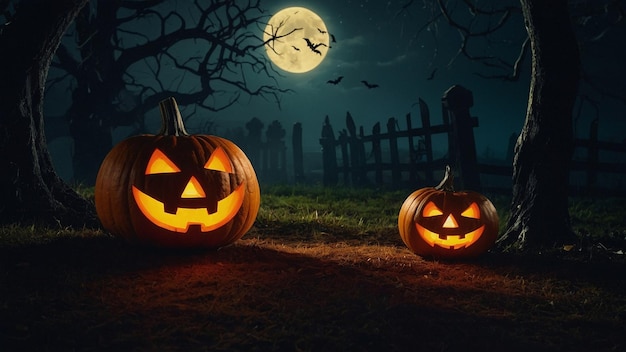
[[296, 39]]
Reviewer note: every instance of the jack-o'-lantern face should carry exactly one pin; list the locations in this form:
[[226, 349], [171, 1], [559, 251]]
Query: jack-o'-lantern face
[[452, 229], [175, 199], [175, 189], [438, 222]]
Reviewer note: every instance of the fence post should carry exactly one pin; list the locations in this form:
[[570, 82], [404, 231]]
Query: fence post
[[378, 156], [428, 142], [357, 153], [457, 102], [362, 159], [396, 176], [345, 157], [329, 157], [298, 157], [414, 155]]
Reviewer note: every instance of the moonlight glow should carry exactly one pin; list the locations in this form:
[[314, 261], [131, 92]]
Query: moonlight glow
[[301, 40]]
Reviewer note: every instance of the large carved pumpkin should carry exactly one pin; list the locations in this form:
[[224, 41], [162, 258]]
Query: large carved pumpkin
[[438, 222], [177, 190]]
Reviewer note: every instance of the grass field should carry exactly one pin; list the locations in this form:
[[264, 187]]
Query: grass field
[[321, 270]]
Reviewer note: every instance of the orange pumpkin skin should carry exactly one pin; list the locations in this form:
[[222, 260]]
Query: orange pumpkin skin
[[184, 206], [439, 223]]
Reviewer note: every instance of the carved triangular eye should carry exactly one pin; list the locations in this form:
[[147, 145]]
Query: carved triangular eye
[[160, 164], [431, 210], [219, 161], [472, 211]]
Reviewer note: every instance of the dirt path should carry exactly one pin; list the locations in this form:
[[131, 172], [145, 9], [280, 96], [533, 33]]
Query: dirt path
[[261, 294]]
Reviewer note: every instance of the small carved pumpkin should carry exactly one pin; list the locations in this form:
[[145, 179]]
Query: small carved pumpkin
[[440, 223], [177, 190]]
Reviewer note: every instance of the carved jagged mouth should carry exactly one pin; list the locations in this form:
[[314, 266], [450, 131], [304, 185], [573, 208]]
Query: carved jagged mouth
[[450, 241], [183, 218]]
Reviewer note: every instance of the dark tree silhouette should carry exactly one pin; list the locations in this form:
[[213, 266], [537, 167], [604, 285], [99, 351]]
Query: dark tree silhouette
[[31, 32], [30, 190], [122, 57], [539, 208]]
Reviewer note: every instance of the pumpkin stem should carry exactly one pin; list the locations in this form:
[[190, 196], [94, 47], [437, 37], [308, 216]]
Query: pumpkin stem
[[447, 184], [171, 120]]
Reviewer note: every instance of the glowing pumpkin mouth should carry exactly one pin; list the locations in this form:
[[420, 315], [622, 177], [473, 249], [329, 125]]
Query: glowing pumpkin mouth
[[180, 221], [450, 241]]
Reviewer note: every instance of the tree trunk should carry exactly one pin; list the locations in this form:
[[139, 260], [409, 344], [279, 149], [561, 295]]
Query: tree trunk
[[98, 82], [30, 189], [539, 210]]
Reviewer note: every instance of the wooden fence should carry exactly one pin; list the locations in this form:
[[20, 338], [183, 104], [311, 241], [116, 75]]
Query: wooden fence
[[590, 164], [355, 159], [420, 162], [404, 158], [588, 173]]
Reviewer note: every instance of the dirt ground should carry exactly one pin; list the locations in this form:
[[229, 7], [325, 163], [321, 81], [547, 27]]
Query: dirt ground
[[267, 293]]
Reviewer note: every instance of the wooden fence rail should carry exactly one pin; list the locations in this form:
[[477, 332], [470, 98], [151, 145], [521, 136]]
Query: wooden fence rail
[[591, 164], [352, 158], [353, 164], [399, 157]]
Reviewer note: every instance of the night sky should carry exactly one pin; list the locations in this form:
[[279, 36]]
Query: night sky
[[378, 41]]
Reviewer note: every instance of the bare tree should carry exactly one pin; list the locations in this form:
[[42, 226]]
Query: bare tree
[[123, 57], [539, 208], [490, 31], [106, 66], [30, 190]]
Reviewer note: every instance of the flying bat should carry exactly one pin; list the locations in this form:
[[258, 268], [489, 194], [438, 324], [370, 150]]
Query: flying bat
[[332, 38], [321, 31], [314, 47], [370, 85], [295, 48], [335, 81]]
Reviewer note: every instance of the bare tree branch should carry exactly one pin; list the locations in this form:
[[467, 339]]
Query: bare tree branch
[[596, 21], [517, 67], [466, 31], [225, 50], [122, 57], [482, 18]]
